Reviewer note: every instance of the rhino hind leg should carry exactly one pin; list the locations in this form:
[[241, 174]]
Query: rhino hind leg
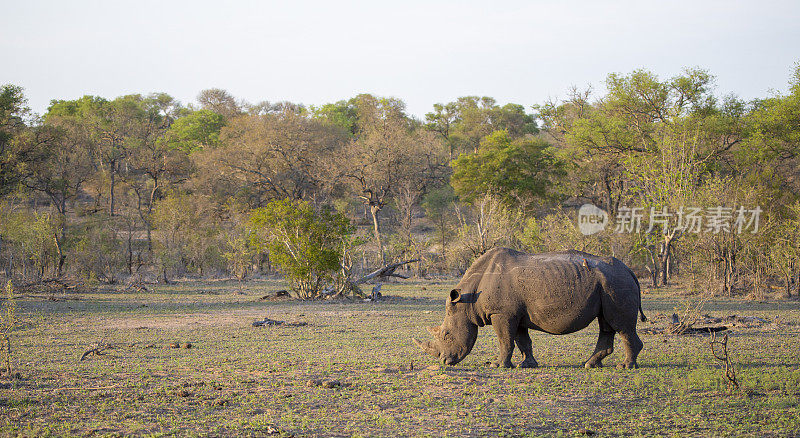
[[633, 345], [525, 346], [605, 345]]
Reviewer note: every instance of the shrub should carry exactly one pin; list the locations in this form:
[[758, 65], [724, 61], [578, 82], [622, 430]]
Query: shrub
[[186, 235], [28, 240], [97, 251], [306, 244]]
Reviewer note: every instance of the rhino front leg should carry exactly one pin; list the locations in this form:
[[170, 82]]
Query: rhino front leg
[[506, 330], [526, 348]]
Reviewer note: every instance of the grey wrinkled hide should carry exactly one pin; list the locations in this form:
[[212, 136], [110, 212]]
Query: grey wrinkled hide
[[557, 293]]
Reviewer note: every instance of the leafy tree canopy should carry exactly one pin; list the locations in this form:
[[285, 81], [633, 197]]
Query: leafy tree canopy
[[306, 244], [12, 110], [466, 121], [196, 131], [519, 171]]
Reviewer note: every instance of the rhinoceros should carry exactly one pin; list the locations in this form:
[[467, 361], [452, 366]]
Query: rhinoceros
[[556, 293]]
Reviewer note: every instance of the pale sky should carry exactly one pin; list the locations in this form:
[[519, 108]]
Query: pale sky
[[423, 52]]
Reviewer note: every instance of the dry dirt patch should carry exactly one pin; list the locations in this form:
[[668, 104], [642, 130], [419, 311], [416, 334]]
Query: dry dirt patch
[[179, 321]]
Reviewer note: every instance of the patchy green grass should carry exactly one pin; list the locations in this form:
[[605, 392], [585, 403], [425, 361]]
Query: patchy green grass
[[239, 380]]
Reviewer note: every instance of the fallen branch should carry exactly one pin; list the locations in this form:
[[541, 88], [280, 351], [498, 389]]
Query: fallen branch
[[97, 351], [270, 322], [384, 272], [137, 287], [682, 330]]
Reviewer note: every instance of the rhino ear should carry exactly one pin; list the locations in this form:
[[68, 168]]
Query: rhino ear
[[455, 295], [434, 329]]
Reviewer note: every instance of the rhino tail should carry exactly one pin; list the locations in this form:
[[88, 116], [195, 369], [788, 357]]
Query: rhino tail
[[641, 312]]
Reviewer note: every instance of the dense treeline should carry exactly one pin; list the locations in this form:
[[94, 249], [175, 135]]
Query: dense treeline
[[142, 186]]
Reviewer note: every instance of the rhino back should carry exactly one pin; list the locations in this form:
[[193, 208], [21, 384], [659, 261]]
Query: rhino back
[[553, 292]]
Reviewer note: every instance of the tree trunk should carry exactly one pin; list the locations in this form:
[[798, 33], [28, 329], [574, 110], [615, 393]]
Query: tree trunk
[[61, 256], [666, 254], [797, 284], [732, 270], [664, 259], [374, 209], [654, 261], [62, 207], [144, 215], [727, 273], [146, 220], [609, 202], [130, 248], [164, 276], [481, 228], [442, 226], [111, 194], [10, 269]]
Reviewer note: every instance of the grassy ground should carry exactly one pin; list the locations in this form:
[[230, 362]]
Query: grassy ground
[[240, 380]]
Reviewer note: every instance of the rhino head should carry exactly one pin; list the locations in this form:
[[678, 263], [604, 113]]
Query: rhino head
[[454, 339]]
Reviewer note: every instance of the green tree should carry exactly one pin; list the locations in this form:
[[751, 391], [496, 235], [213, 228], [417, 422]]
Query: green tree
[[306, 244], [29, 235], [153, 164], [195, 131], [62, 166], [438, 204], [518, 171], [342, 114], [97, 251], [12, 154], [110, 129], [649, 142], [442, 121], [773, 143], [463, 123], [9, 321]]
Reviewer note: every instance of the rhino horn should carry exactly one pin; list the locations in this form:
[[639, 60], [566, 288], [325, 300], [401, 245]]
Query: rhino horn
[[434, 329], [427, 346]]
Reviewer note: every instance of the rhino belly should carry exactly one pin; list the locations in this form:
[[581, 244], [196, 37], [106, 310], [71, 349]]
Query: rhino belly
[[560, 296], [564, 310]]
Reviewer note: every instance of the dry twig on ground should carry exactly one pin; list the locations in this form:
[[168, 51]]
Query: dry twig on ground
[[99, 350], [719, 349], [692, 312]]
